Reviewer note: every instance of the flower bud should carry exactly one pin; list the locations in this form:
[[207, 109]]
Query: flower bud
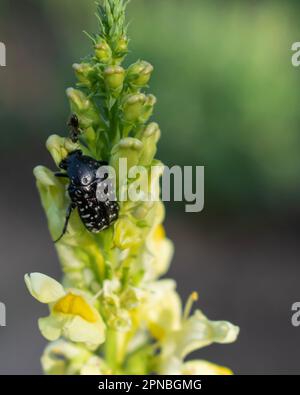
[[59, 147], [121, 49], [128, 148], [52, 194], [139, 73], [126, 153], [133, 107], [103, 52], [149, 137], [84, 73], [114, 78], [122, 45], [84, 108], [148, 108]]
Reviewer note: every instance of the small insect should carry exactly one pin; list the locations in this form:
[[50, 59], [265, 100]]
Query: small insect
[[74, 128], [90, 193]]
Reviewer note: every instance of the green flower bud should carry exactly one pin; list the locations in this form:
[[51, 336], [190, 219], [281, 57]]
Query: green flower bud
[[52, 194], [103, 52], [114, 78], [122, 45], [148, 108], [128, 148], [133, 107], [59, 147], [84, 73], [84, 108], [149, 137], [139, 73], [121, 49]]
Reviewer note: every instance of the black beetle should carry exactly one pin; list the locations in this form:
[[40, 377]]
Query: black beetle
[[97, 210]]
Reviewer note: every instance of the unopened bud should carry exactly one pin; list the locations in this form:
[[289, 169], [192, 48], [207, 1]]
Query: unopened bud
[[121, 49], [133, 106], [148, 108], [139, 73], [122, 45], [59, 147], [114, 77], [84, 73], [84, 108], [149, 137], [128, 149], [103, 52]]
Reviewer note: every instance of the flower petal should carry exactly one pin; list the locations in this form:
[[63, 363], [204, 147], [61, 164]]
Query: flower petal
[[51, 327], [44, 288], [76, 305], [198, 331], [79, 330], [95, 366], [163, 311], [204, 368]]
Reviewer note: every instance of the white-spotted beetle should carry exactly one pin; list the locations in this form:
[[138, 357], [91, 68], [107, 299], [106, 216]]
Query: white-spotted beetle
[[97, 211]]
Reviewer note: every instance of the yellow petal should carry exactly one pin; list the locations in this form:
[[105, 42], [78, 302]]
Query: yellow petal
[[76, 305], [199, 367]]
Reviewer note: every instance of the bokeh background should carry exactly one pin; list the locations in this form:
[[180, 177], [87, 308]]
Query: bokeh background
[[228, 99]]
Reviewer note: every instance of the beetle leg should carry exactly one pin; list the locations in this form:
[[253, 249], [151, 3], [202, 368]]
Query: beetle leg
[[62, 175], [68, 215]]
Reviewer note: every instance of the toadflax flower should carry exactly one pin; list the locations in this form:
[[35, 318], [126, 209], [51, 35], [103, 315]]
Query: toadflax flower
[[72, 315], [179, 333], [111, 313], [192, 333]]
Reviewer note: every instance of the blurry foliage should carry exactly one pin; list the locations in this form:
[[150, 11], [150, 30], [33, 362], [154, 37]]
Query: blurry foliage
[[228, 94]]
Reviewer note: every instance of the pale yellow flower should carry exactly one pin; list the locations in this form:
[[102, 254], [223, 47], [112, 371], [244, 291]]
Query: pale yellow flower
[[179, 335], [72, 314]]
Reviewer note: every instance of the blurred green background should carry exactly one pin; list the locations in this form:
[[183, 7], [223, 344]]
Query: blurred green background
[[228, 99]]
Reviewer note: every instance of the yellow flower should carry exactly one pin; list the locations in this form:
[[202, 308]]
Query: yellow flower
[[198, 331], [184, 334], [72, 315]]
